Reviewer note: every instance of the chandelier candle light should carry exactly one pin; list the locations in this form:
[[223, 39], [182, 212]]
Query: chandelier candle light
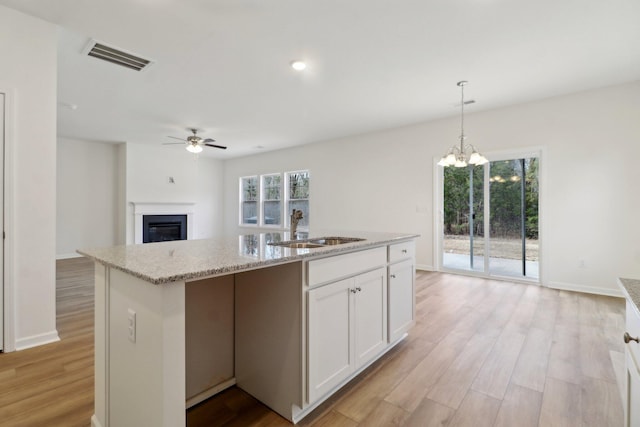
[[465, 154]]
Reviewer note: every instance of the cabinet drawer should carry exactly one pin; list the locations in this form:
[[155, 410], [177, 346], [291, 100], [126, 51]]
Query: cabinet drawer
[[400, 251], [633, 328], [340, 266]]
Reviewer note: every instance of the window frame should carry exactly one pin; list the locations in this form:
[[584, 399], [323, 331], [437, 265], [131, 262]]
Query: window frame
[[262, 196], [288, 199], [242, 199], [285, 199]]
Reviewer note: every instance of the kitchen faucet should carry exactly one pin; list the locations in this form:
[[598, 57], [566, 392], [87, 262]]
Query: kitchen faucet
[[296, 216]]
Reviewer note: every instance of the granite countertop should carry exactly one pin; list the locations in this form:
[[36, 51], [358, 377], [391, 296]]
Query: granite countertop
[[631, 289], [180, 260]]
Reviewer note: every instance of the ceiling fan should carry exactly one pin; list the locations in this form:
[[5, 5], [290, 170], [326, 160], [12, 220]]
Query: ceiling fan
[[195, 143]]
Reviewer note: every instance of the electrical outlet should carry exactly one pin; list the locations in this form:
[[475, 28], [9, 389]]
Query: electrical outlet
[[132, 325]]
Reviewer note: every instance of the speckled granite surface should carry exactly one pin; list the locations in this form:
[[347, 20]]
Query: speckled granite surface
[[179, 260], [631, 288]]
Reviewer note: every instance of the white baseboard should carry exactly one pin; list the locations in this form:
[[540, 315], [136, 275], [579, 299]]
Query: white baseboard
[[201, 397], [586, 289], [36, 340], [68, 256], [425, 267]]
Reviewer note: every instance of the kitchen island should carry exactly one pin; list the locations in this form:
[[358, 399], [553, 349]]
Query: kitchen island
[[177, 322]]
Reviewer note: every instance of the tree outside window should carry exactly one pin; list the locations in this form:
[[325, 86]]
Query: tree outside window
[[249, 200], [272, 199], [298, 196]]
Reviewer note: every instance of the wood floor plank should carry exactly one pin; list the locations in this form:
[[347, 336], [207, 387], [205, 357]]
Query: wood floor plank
[[385, 415], [454, 384], [561, 404], [595, 361], [476, 410], [414, 387], [361, 400], [520, 407], [601, 403], [495, 374], [430, 414], [531, 368]]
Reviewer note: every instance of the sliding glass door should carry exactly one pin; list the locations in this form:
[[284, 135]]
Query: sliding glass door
[[463, 241], [490, 218]]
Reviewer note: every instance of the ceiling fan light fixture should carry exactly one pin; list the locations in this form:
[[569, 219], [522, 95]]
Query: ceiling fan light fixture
[[194, 148], [298, 65]]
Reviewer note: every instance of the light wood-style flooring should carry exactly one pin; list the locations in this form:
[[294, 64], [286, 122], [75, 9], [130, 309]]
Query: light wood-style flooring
[[482, 353]]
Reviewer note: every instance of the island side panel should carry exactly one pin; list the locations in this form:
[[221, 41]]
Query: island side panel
[[268, 349], [101, 375], [146, 377], [209, 337]]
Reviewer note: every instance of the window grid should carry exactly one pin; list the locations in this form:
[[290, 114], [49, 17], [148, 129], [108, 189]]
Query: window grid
[[268, 200]]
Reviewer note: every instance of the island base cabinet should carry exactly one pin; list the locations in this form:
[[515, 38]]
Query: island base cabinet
[[401, 298], [347, 323], [632, 405], [632, 367]]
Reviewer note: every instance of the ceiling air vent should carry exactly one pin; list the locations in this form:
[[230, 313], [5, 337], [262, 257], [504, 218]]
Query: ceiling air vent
[[116, 56]]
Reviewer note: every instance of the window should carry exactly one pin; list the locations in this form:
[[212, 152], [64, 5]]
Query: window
[[298, 196], [272, 199], [268, 200], [249, 200]]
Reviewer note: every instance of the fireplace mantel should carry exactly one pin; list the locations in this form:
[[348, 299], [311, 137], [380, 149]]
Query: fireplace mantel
[[161, 208]]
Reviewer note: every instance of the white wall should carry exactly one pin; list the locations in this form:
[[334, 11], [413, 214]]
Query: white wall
[[87, 198], [198, 179], [384, 180], [28, 55]]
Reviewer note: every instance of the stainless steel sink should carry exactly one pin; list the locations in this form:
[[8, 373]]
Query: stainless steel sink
[[297, 245], [317, 242], [335, 240]]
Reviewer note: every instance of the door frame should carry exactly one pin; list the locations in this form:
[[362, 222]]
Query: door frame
[[438, 213], [8, 283]]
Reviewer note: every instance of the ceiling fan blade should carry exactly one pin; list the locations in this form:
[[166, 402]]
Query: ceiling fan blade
[[208, 140], [175, 137], [173, 143], [216, 146]]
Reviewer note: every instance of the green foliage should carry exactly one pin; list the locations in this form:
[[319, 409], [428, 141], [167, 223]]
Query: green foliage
[[505, 199]]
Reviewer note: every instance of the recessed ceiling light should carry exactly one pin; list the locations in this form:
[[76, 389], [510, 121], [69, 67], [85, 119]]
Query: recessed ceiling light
[[298, 65]]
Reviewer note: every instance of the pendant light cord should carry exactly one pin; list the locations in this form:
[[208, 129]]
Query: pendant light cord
[[461, 84]]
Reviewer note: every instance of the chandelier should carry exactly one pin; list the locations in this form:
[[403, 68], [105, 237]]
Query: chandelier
[[465, 154]]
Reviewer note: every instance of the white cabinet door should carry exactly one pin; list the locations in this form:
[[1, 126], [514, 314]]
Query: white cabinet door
[[330, 336], [401, 298], [347, 328], [632, 416], [370, 315]]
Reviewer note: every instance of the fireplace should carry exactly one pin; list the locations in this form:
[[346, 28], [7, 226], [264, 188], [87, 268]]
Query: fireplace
[[162, 211], [163, 228]]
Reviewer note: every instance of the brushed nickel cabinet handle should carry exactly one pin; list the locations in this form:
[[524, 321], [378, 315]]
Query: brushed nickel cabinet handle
[[353, 291], [359, 289], [404, 251], [628, 338], [393, 276]]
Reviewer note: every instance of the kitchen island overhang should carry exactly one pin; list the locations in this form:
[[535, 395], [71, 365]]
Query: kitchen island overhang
[[163, 292]]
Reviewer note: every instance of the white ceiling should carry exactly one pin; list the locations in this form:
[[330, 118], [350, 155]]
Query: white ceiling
[[222, 66]]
